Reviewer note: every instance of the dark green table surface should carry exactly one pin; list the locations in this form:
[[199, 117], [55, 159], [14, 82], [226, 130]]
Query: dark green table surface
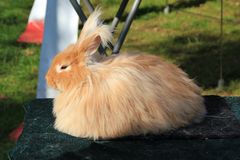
[[217, 137]]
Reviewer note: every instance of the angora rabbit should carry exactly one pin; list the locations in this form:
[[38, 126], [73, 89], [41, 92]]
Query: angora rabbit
[[119, 95]]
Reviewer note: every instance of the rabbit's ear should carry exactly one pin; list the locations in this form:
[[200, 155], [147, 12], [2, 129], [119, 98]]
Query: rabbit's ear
[[90, 45], [102, 34], [94, 33]]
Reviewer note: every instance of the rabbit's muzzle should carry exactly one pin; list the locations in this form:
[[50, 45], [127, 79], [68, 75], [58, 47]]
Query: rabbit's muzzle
[[50, 81]]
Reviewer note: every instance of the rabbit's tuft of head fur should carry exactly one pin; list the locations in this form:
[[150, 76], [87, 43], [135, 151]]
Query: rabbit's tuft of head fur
[[94, 25]]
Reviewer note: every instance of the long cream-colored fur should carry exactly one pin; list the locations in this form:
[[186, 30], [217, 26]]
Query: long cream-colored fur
[[121, 95]]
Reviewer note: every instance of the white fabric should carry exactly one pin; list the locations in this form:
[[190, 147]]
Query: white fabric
[[38, 10], [61, 29]]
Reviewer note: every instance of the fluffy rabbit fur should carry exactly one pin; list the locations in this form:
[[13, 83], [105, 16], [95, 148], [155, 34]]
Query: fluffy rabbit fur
[[119, 95]]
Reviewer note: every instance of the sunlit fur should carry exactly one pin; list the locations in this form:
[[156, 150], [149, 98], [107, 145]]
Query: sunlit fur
[[127, 94]]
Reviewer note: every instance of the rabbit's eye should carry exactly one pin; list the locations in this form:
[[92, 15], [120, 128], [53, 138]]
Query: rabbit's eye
[[63, 67]]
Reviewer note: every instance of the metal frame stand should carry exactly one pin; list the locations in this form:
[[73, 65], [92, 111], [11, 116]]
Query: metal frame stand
[[117, 46]]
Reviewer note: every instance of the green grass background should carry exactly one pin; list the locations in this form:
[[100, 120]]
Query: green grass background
[[189, 36]]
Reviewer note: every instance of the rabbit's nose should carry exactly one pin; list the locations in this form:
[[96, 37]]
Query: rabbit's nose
[[47, 77], [49, 80]]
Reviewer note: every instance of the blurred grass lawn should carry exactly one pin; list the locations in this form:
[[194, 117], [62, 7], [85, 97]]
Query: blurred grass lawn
[[188, 37]]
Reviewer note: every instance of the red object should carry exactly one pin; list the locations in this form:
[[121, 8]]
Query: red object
[[33, 33], [14, 135]]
